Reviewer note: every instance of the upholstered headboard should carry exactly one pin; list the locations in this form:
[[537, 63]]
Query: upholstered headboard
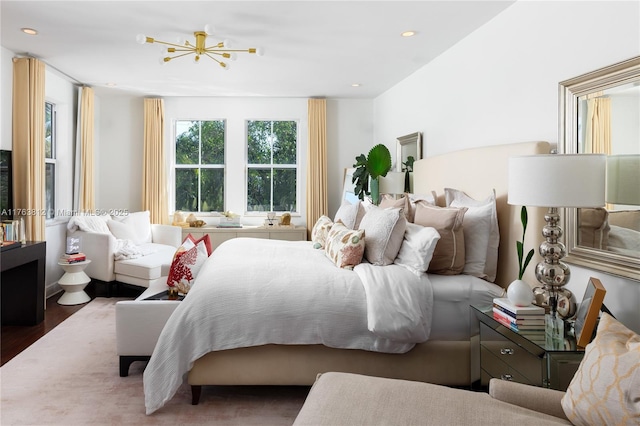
[[476, 171]]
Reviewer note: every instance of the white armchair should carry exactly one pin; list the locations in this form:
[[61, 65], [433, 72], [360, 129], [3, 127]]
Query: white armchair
[[126, 249]]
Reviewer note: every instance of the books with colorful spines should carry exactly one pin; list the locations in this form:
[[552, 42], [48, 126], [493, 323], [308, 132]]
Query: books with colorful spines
[[505, 305], [530, 320], [518, 327], [73, 255], [73, 258]]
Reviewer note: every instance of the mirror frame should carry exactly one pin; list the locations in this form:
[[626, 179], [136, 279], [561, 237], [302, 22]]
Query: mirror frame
[[570, 91], [413, 138]]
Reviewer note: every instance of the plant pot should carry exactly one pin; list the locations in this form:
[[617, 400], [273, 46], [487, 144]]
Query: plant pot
[[520, 293]]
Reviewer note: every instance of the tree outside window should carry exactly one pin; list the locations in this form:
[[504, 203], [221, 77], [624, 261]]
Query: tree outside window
[[199, 165], [272, 153]]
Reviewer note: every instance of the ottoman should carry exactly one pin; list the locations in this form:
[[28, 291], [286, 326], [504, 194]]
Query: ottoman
[[138, 325]]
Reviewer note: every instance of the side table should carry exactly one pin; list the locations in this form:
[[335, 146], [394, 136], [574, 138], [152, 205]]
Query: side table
[[501, 352], [73, 283]]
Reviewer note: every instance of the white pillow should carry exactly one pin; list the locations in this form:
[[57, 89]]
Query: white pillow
[[417, 247], [384, 232], [121, 230], [350, 214], [141, 224], [481, 233]]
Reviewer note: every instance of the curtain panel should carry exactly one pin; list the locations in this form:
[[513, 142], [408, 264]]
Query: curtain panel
[[317, 204], [28, 145], [154, 180], [83, 177]]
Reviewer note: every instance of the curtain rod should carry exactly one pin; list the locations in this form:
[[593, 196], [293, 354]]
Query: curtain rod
[[73, 79]]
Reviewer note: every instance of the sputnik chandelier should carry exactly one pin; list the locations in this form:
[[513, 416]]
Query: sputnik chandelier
[[183, 48]]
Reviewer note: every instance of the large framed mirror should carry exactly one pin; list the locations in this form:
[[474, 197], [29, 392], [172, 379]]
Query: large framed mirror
[[600, 113]]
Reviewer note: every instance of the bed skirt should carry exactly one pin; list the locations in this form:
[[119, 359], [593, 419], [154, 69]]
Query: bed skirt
[[441, 362]]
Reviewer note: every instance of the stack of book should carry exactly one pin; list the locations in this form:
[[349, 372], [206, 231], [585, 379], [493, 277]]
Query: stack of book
[[529, 321], [73, 258]]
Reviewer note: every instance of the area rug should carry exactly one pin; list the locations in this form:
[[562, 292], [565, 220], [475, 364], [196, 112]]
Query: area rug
[[70, 377]]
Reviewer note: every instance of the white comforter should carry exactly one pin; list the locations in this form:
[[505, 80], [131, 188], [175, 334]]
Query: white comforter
[[254, 292]]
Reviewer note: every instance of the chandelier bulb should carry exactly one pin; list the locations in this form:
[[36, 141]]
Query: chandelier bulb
[[224, 66], [141, 38], [181, 41], [227, 44], [163, 60], [259, 51], [208, 29]]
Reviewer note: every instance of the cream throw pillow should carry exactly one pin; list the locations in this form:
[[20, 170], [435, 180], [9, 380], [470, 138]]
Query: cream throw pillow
[[481, 233], [417, 248], [606, 388], [384, 229], [141, 224], [448, 258]]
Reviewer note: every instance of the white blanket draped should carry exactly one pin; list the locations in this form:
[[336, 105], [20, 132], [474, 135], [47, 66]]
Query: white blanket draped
[[253, 292]]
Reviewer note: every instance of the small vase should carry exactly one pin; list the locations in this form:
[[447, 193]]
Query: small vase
[[375, 191], [520, 293]]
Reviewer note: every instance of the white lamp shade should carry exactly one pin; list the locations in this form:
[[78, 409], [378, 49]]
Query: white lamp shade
[[557, 180], [623, 179], [392, 183]]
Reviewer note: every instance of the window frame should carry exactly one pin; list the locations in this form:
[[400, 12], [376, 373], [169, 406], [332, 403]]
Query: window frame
[[271, 166], [200, 166], [52, 160]]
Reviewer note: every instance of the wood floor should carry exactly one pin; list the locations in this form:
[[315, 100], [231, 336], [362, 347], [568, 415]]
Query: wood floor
[[15, 339]]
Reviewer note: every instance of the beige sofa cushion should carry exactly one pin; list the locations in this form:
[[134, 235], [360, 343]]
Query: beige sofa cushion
[[351, 399]]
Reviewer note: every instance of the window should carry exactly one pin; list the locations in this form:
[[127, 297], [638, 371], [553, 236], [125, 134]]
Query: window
[[272, 154], [199, 165], [50, 158]]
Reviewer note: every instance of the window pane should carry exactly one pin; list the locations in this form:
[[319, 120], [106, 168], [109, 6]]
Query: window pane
[[50, 185], [187, 189], [284, 190], [187, 142], [259, 190], [212, 190], [48, 130], [259, 142], [284, 145], [213, 142]]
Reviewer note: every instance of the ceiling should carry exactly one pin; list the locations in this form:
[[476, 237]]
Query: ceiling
[[311, 48]]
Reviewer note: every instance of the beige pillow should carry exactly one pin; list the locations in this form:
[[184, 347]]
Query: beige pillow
[[481, 233], [345, 246], [430, 199], [606, 387], [320, 232], [350, 214], [448, 257], [594, 228], [388, 202], [384, 229]]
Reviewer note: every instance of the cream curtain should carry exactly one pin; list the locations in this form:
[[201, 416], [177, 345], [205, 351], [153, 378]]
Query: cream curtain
[[28, 145], [598, 129], [83, 184], [316, 162], [154, 180]]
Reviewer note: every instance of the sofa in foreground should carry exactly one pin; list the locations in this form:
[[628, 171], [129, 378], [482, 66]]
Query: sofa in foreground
[[604, 391]]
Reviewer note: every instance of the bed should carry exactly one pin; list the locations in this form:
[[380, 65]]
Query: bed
[[442, 354]]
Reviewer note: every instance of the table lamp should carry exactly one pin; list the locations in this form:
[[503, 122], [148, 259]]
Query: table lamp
[[556, 181], [393, 183]]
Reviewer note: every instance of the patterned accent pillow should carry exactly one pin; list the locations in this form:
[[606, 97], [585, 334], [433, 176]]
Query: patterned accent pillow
[[606, 387], [320, 232], [345, 247], [448, 258], [384, 229], [187, 261]]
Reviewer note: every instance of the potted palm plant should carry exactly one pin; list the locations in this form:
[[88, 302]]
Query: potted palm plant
[[369, 169]]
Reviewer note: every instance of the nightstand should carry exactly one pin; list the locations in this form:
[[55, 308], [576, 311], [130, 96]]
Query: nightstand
[[500, 352]]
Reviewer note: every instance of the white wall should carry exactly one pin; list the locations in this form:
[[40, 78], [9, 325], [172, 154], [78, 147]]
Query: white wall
[[500, 85], [120, 142]]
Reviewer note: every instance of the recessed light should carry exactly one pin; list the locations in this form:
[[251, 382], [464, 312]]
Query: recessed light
[[29, 31], [408, 33], [356, 84], [111, 84]]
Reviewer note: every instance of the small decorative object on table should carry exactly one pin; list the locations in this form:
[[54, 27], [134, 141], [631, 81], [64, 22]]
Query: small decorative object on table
[[587, 314], [271, 216], [519, 292], [285, 219]]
